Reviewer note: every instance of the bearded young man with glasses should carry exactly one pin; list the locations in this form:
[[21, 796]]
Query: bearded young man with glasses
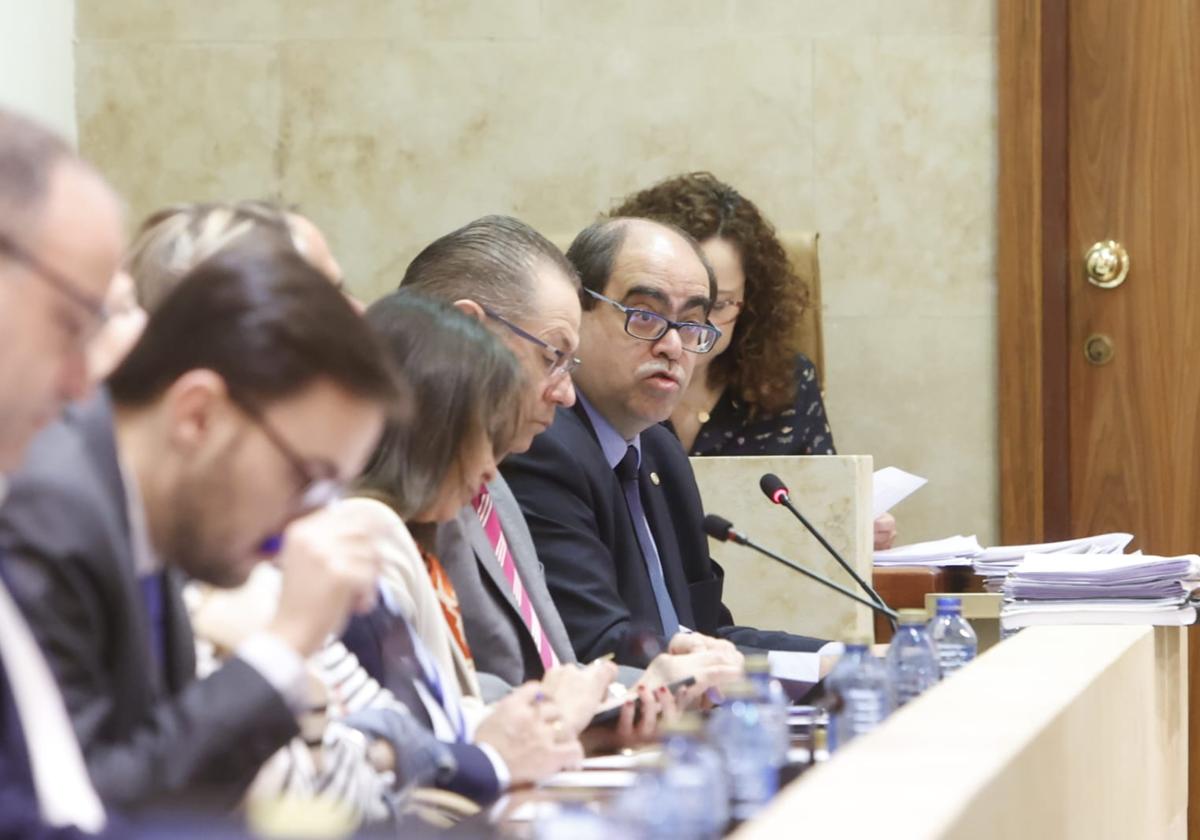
[[608, 492], [254, 395]]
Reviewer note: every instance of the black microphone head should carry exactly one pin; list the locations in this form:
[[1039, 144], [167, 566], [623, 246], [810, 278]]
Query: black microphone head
[[717, 527], [773, 488]]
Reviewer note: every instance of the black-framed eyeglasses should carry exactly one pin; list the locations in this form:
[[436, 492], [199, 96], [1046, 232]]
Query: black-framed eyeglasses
[[94, 307], [319, 483], [650, 326], [560, 365]]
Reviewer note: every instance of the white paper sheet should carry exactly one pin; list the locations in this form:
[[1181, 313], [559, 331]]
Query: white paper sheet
[[891, 486], [591, 779]]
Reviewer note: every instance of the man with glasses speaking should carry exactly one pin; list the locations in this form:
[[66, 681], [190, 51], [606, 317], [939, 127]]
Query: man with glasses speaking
[[210, 440], [607, 492]]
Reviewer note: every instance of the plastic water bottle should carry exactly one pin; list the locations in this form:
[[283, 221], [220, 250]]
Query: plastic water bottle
[[683, 795], [742, 733], [774, 700], [955, 641], [645, 809], [912, 663], [864, 698], [694, 781]]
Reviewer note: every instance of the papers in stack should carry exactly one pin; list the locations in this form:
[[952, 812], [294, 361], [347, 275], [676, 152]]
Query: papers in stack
[[996, 562], [952, 551], [1072, 588]]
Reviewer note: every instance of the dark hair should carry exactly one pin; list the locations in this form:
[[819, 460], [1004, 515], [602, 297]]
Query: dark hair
[[267, 322], [490, 261], [463, 381], [594, 251], [759, 364], [29, 154]]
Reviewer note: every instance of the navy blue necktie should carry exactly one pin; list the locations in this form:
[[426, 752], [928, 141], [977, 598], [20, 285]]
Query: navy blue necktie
[[153, 598], [627, 472]]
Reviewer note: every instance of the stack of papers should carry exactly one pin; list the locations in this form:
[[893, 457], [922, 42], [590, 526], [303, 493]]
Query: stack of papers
[[995, 563], [1072, 588], [952, 551]]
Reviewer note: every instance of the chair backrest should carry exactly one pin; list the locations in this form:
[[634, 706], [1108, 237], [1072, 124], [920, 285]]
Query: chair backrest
[[801, 249]]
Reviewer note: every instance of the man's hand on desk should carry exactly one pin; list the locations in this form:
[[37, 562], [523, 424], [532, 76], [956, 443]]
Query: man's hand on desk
[[527, 729], [682, 643], [711, 668]]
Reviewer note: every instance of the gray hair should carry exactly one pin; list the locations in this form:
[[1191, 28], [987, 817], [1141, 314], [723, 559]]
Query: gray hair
[[29, 154], [490, 261]]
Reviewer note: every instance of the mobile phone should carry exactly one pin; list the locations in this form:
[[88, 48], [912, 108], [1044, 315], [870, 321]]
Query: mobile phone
[[612, 714]]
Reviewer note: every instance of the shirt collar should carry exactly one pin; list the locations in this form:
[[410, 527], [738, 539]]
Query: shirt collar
[[613, 445], [145, 561]]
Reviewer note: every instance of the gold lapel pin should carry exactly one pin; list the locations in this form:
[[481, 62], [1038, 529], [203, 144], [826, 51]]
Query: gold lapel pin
[[654, 479]]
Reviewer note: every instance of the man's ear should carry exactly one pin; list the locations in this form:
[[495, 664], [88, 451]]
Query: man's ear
[[193, 405], [471, 309]]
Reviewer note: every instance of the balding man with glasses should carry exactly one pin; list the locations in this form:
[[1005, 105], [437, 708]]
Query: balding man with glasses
[[607, 492]]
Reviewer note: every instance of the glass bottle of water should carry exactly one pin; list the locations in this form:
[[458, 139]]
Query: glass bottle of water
[[955, 641], [862, 696], [912, 663], [747, 746], [774, 700]]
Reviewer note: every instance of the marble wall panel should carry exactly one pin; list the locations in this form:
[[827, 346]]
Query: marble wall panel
[[392, 121], [176, 122]]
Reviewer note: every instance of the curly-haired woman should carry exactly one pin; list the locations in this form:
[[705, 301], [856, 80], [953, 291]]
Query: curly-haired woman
[[755, 393]]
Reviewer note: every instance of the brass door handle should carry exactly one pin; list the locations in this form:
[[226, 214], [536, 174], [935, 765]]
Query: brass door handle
[[1106, 264]]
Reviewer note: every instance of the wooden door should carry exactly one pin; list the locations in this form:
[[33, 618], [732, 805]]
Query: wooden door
[[1100, 139], [1133, 133]]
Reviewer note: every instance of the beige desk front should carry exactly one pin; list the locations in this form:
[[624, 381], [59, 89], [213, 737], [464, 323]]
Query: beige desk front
[[1062, 733]]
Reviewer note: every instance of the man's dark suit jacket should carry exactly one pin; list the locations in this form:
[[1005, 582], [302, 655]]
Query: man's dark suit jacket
[[146, 736], [585, 538]]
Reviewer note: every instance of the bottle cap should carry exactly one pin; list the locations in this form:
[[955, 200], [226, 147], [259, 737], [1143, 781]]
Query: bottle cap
[[949, 602], [910, 617], [740, 690], [688, 723], [758, 663]]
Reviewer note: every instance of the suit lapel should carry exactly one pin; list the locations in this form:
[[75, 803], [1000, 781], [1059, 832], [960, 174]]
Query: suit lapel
[[658, 518], [95, 422], [485, 556], [524, 555]]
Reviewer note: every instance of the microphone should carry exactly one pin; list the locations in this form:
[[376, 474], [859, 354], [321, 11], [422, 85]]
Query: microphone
[[722, 530], [775, 490]]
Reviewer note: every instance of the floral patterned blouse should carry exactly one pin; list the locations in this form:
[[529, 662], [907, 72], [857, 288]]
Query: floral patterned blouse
[[802, 429]]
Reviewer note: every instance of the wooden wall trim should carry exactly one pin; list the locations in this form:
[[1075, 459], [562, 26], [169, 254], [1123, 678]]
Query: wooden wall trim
[[1032, 268]]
